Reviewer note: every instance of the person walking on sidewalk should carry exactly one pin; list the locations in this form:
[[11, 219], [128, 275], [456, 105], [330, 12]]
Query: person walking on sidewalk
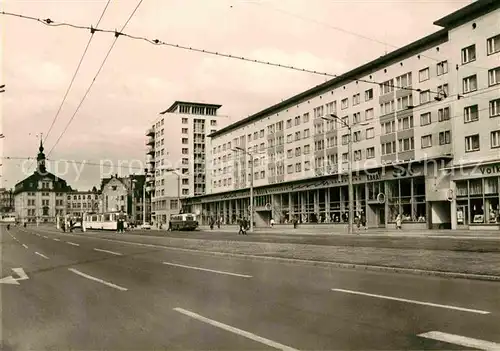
[[363, 220], [243, 226], [271, 222], [398, 221]]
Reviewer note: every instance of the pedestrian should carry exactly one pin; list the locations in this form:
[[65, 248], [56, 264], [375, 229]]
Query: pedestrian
[[363, 220], [8, 226], [212, 223], [169, 226], [357, 220], [294, 223], [219, 222], [71, 226], [242, 226], [398, 221], [272, 222]]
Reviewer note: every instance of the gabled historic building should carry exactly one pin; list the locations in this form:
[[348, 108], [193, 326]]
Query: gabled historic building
[[41, 196]]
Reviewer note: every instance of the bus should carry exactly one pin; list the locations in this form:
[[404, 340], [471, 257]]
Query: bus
[[184, 221]]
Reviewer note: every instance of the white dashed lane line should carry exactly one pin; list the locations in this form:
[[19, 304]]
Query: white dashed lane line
[[70, 243], [461, 340], [55, 239], [97, 279], [25, 246], [41, 255], [110, 252]]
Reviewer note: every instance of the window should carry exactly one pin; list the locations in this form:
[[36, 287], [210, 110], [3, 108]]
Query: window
[[495, 108], [356, 99], [307, 165], [184, 140], [472, 143], [425, 119], [345, 157], [493, 45], [305, 117], [469, 84], [331, 107], [404, 80], [423, 74], [297, 121], [357, 155], [405, 123], [369, 114], [494, 76], [356, 118], [495, 139], [185, 151], [318, 112], [444, 114], [345, 139], [469, 54], [471, 114], [319, 145], [289, 169], [406, 144], [425, 96], [184, 130], [256, 135], [289, 138], [388, 127], [298, 167], [298, 151], [426, 141], [444, 137], [307, 149], [370, 133], [356, 136], [442, 90], [184, 121], [307, 133], [387, 108], [442, 68], [261, 133], [368, 94], [370, 152], [297, 135], [389, 148], [387, 87], [344, 103], [345, 121], [331, 141], [405, 102]]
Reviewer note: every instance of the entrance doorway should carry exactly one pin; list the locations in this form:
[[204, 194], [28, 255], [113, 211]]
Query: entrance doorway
[[381, 217]]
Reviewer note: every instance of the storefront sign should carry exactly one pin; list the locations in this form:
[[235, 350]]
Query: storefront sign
[[493, 169]]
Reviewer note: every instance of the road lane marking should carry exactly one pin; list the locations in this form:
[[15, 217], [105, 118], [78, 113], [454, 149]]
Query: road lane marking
[[70, 243], [235, 330], [110, 252], [208, 270], [55, 239], [461, 340], [97, 279], [25, 246], [413, 301], [45, 237], [41, 255]]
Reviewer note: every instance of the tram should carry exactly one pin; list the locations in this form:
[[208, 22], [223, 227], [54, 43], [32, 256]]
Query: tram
[[9, 218], [104, 221], [184, 221]]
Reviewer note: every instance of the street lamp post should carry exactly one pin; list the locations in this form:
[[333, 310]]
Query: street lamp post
[[251, 185]]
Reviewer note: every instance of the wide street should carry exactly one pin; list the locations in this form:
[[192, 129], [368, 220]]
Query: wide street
[[77, 291]]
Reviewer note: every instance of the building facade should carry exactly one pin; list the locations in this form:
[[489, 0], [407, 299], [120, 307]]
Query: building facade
[[6, 200], [176, 152], [424, 122], [42, 196], [79, 202]]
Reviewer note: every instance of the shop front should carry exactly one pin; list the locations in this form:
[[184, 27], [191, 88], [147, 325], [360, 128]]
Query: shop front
[[477, 192], [380, 195]]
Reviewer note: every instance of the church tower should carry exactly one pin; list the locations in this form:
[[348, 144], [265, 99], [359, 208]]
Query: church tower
[[41, 159]]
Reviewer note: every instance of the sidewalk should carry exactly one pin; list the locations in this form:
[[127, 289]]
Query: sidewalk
[[305, 230]]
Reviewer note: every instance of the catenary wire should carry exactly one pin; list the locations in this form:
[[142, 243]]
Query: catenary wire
[[158, 42], [117, 34]]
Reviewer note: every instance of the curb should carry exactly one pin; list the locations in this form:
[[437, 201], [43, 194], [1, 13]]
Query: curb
[[324, 264]]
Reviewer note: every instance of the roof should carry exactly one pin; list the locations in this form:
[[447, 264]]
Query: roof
[[31, 183], [197, 104], [361, 71], [468, 13]]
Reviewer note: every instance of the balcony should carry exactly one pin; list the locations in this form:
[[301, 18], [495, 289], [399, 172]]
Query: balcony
[[150, 142], [150, 132], [150, 151]]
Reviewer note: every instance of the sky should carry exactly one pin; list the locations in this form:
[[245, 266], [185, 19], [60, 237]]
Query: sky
[[139, 79]]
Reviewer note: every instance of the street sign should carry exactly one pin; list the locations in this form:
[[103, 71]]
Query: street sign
[[381, 198], [450, 195]]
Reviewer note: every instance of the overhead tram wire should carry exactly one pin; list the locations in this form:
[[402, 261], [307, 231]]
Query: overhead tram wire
[[117, 34], [92, 31], [157, 42]]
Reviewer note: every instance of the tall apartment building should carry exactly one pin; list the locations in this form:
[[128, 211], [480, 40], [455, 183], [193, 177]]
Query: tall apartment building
[[425, 122], [176, 154]]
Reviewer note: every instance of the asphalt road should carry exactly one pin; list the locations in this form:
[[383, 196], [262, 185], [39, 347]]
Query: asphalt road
[[78, 292]]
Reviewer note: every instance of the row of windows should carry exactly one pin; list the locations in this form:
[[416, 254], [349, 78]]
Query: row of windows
[[472, 142]]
